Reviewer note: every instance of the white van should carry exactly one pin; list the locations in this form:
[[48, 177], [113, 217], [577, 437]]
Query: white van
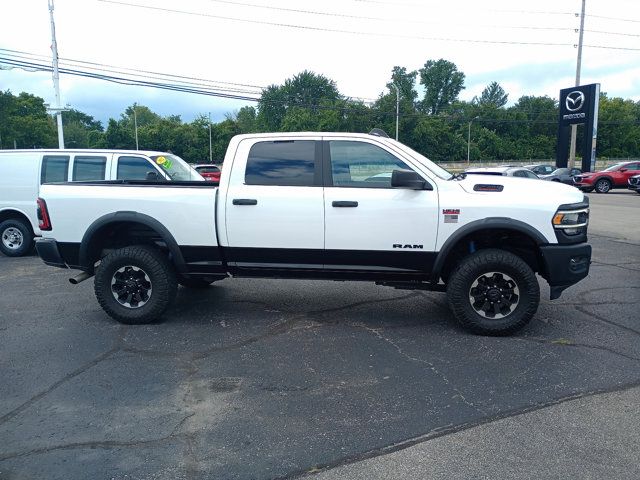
[[23, 171]]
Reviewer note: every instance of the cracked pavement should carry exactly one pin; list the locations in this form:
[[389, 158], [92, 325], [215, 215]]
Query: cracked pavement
[[260, 379]]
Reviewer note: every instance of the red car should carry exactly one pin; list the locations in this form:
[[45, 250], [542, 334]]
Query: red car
[[616, 176], [209, 171]]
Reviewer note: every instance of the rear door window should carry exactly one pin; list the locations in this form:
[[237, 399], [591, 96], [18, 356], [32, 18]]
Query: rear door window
[[89, 168], [55, 168], [284, 163], [134, 168]]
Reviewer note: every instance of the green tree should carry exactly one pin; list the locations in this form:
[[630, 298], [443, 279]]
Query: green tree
[[24, 122], [305, 90], [492, 96], [442, 82], [405, 81]]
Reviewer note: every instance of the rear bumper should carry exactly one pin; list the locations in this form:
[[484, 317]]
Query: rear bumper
[[565, 265], [47, 249]]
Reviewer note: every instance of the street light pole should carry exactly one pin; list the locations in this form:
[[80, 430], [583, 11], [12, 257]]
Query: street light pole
[[397, 107], [469, 140], [210, 150], [56, 78]]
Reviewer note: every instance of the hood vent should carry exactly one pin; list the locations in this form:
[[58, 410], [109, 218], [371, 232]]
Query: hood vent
[[487, 187]]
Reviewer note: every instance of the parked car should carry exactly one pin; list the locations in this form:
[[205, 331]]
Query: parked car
[[521, 172], [562, 175], [300, 205], [23, 171], [616, 176], [634, 183], [209, 171], [541, 169]]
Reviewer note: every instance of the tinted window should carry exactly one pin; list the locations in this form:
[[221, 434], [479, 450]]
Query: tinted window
[[54, 169], [359, 164], [576, 171], [519, 173], [86, 169], [633, 166], [290, 163], [530, 175], [133, 168]]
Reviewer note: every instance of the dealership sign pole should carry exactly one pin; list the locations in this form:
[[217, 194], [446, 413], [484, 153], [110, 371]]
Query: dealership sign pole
[[579, 105]]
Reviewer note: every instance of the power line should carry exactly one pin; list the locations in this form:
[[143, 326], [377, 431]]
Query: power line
[[618, 19], [335, 30], [375, 34], [379, 19]]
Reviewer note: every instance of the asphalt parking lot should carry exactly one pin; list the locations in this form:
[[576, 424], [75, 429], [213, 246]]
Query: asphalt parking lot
[[261, 379]]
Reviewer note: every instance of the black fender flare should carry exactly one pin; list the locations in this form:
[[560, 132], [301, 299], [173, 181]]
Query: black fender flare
[[128, 216], [483, 224]]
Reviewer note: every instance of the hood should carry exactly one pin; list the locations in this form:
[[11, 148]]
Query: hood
[[523, 190]]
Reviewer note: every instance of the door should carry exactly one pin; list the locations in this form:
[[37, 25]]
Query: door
[[274, 205], [371, 226], [626, 172]]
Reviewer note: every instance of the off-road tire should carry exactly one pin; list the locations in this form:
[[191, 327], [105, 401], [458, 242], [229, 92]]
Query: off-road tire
[[482, 262], [158, 269], [7, 230], [603, 185]]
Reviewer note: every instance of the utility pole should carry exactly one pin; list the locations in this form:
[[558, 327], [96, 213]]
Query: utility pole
[[56, 78], [135, 124], [397, 107], [210, 152], [574, 127]]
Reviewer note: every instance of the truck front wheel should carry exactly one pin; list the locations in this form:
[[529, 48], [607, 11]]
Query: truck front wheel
[[135, 285], [493, 292]]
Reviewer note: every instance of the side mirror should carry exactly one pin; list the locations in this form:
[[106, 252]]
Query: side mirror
[[409, 179], [622, 170]]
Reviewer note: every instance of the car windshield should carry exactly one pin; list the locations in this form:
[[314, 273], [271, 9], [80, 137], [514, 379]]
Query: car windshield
[[613, 167], [176, 168], [560, 171], [436, 169]]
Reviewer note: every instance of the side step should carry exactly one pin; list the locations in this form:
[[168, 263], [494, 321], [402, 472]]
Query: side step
[[438, 287]]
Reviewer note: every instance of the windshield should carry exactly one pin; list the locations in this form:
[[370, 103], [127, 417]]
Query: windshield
[[560, 171], [613, 167], [436, 169], [176, 168]]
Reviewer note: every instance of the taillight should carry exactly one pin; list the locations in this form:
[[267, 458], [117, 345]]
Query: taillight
[[44, 223]]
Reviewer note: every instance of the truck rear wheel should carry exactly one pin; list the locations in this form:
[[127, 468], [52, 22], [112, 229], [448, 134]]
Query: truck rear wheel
[[16, 237], [493, 292], [135, 285]]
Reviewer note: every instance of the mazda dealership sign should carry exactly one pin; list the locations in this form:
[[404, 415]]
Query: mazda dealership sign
[[578, 105]]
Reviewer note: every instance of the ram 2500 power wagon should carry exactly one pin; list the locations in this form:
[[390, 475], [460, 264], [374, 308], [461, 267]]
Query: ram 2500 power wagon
[[326, 206]]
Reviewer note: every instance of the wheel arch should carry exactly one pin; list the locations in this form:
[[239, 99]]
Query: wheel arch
[[10, 213], [93, 239], [478, 228]]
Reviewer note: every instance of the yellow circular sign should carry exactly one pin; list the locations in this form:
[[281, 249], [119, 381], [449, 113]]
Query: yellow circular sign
[[160, 160]]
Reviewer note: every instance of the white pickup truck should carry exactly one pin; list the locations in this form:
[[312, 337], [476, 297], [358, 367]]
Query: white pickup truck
[[332, 206]]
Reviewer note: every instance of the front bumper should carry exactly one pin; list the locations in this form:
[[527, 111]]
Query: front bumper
[[565, 265], [634, 186], [47, 249]]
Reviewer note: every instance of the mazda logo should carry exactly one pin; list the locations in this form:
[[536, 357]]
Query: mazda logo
[[574, 101]]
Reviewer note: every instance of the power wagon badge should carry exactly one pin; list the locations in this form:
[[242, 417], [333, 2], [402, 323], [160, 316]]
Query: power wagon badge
[[451, 215]]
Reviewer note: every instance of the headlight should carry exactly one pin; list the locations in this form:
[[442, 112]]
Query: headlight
[[571, 222]]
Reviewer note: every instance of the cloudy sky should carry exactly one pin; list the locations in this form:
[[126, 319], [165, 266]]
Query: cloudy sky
[[528, 47]]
